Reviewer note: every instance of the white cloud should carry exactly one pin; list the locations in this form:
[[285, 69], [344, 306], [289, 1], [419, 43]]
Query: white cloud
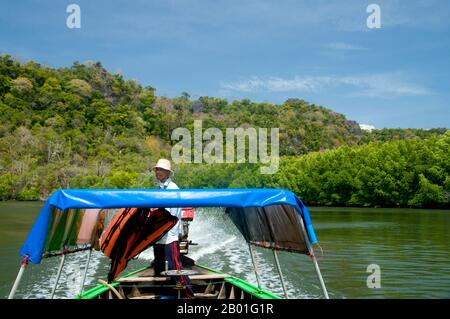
[[384, 85], [276, 84], [344, 46], [377, 85], [367, 127]]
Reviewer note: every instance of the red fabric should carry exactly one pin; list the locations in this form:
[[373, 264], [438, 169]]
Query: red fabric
[[187, 213]]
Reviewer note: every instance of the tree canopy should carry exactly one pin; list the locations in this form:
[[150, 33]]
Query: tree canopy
[[84, 127]]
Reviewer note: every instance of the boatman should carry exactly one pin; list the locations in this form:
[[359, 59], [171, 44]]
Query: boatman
[[167, 248]]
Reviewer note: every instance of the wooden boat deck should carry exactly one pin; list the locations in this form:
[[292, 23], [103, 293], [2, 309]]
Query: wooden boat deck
[[144, 284], [148, 275]]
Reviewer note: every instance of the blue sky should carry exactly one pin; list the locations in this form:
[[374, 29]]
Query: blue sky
[[320, 51]]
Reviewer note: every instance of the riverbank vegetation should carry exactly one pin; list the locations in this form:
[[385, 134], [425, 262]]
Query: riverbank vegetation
[[84, 127], [404, 173]]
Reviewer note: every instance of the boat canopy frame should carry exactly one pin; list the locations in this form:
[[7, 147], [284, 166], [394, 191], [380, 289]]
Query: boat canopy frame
[[243, 205]]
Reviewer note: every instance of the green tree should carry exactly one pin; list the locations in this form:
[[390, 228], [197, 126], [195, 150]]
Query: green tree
[[428, 194]]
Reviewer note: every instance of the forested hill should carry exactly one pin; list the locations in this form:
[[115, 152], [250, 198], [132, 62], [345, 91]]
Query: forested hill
[[86, 99], [83, 126]]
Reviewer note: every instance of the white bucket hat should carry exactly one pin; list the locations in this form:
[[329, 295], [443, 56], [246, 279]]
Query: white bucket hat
[[164, 164]]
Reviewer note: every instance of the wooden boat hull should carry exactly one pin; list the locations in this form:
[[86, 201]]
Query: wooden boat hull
[[206, 284]]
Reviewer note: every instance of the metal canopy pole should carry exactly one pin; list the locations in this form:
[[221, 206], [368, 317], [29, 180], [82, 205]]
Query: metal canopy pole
[[63, 258], [23, 265], [313, 256], [279, 273], [254, 265], [85, 270], [316, 265]]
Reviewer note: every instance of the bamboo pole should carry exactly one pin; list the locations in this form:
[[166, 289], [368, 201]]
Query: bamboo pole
[[23, 265], [86, 270], [254, 265], [63, 258], [313, 257], [279, 273]]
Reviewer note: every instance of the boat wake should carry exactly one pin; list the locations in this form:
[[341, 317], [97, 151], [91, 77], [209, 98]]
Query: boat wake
[[39, 280], [222, 247]]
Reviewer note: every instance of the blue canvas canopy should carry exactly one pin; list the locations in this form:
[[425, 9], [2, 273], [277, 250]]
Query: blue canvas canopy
[[69, 199]]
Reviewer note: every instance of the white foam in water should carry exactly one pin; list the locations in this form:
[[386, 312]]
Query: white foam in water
[[40, 281], [211, 248], [270, 278], [147, 254], [222, 247], [208, 242]]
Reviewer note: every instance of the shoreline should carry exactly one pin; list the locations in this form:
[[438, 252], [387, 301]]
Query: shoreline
[[310, 207]]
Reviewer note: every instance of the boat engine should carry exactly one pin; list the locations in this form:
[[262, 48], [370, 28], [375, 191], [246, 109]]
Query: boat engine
[[187, 216]]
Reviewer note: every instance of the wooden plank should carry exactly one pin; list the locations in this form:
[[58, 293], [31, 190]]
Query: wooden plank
[[231, 296], [206, 296], [222, 294], [149, 272], [142, 279], [151, 279], [145, 297], [135, 292]]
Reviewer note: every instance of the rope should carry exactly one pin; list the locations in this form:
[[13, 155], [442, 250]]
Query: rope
[[114, 290], [312, 255], [255, 258], [25, 260], [322, 255]]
